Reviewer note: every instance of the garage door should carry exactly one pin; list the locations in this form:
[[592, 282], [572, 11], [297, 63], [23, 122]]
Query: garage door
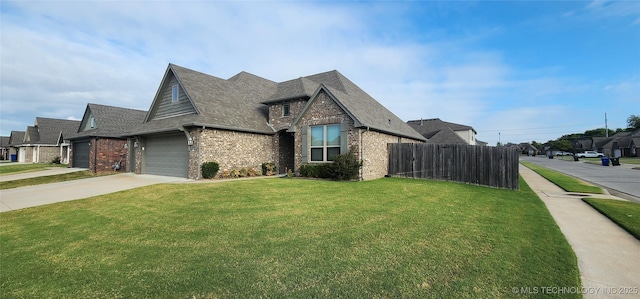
[[167, 155], [81, 154]]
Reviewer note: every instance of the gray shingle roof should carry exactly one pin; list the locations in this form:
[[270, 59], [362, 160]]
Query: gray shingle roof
[[4, 141], [238, 103], [16, 138], [446, 136], [50, 129], [429, 127], [110, 121]]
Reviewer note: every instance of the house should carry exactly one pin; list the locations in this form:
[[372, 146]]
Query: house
[[4, 147], [622, 144], [46, 140], [15, 141], [442, 132], [246, 120], [99, 144], [528, 149]]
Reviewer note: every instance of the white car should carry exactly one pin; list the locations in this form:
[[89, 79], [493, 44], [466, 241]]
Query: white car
[[590, 154]]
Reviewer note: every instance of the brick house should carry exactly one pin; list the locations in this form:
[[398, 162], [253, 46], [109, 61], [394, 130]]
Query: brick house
[[99, 144], [246, 120], [443, 132], [47, 140]]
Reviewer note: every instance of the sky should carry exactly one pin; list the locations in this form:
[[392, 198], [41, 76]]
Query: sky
[[516, 71]]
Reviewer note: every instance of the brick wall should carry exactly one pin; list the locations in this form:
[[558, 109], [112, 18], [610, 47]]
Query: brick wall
[[231, 149], [109, 151]]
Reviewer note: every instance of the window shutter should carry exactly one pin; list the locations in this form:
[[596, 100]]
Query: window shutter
[[344, 137], [305, 147]]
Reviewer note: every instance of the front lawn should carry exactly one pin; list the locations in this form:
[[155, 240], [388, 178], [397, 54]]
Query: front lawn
[[624, 213], [568, 183], [48, 179], [14, 168], [292, 238]]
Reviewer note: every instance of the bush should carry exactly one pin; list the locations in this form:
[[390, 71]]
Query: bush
[[210, 169], [55, 160], [268, 168], [346, 166]]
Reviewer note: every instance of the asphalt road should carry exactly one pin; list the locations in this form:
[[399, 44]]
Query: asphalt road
[[622, 181]]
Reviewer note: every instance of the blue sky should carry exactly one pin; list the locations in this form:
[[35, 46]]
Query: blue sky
[[517, 71]]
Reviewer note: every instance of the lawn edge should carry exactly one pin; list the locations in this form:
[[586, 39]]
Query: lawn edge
[[618, 223]]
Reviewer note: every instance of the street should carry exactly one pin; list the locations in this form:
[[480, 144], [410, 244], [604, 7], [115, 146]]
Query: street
[[622, 181]]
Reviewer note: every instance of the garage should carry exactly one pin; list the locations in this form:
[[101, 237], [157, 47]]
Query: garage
[[167, 155], [81, 153]]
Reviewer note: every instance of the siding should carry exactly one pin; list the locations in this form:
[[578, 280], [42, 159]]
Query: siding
[[166, 108]]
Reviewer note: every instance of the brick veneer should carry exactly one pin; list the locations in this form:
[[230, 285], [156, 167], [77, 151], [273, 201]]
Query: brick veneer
[[109, 151]]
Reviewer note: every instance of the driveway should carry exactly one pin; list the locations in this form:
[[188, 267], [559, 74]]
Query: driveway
[[31, 196], [621, 181]]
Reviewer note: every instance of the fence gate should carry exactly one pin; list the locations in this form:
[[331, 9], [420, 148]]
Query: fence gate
[[480, 165]]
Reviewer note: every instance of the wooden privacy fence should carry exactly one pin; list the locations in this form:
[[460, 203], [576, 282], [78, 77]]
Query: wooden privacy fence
[[480, 165]]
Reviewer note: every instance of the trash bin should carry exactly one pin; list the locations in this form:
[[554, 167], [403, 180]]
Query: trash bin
[[615, 161], [14, 157], [605, 161], [575, 158]]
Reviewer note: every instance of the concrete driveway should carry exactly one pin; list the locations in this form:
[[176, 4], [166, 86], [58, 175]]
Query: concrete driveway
[[31, 196]]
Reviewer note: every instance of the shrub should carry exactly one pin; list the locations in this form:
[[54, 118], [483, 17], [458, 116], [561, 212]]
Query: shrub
[[346, 166], [321, 171], [268, 168], [253, 172], [243, 172], [290, 173], [55, 160], [210, 169]]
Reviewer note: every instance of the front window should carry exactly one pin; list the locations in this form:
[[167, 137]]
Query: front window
[[286, 110], [325, 142]]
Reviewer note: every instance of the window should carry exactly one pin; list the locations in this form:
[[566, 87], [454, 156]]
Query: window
[[175, 94], [325, 142], [92, 122], [286, 109]]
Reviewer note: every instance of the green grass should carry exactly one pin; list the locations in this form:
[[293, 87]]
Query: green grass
[[288, 238], [568, 183], [624, 213], [18, 168], [47, 179]]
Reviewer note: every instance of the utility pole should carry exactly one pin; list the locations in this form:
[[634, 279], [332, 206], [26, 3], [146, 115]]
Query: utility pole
[[606, 129]]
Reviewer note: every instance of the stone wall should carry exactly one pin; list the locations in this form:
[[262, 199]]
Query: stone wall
[[231, 149], [376, 153]]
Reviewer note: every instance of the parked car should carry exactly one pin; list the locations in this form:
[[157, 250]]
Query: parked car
[[590, 154]]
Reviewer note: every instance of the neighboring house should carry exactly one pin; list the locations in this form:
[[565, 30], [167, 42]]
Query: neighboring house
[[47, 140], [442, 132], [528, 149], [246, 120], [15, 141], [4, 147], [623, 144], [99, 144]]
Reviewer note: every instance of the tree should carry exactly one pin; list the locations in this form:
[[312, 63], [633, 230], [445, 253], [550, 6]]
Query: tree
[[633, 122]]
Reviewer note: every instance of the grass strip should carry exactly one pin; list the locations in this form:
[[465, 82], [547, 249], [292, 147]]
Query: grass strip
[[46, 179], [568, 183], [19, 168], [289, 238], [625, 214]]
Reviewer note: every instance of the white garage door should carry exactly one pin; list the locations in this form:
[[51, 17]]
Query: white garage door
[[167, 155]]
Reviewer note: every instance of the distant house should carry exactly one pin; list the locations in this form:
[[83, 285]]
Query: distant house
[[100, 143], [15, 141], [4, 148], [528, 149], [246, 120], [439, 131], [623, 144], [47, 140]]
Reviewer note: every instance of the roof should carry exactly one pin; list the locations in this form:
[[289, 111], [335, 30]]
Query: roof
[[110, 121], [49, 131], [429, 127], [232, 104], [240, 102], [446, 136], [16, 138], [4, 141]]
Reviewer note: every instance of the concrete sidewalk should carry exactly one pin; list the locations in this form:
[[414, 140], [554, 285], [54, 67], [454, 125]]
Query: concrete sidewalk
[[32, 196], [608, 256]]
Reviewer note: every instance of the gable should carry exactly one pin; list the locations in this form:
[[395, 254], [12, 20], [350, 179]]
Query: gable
[[165, 105], [88, 121]]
